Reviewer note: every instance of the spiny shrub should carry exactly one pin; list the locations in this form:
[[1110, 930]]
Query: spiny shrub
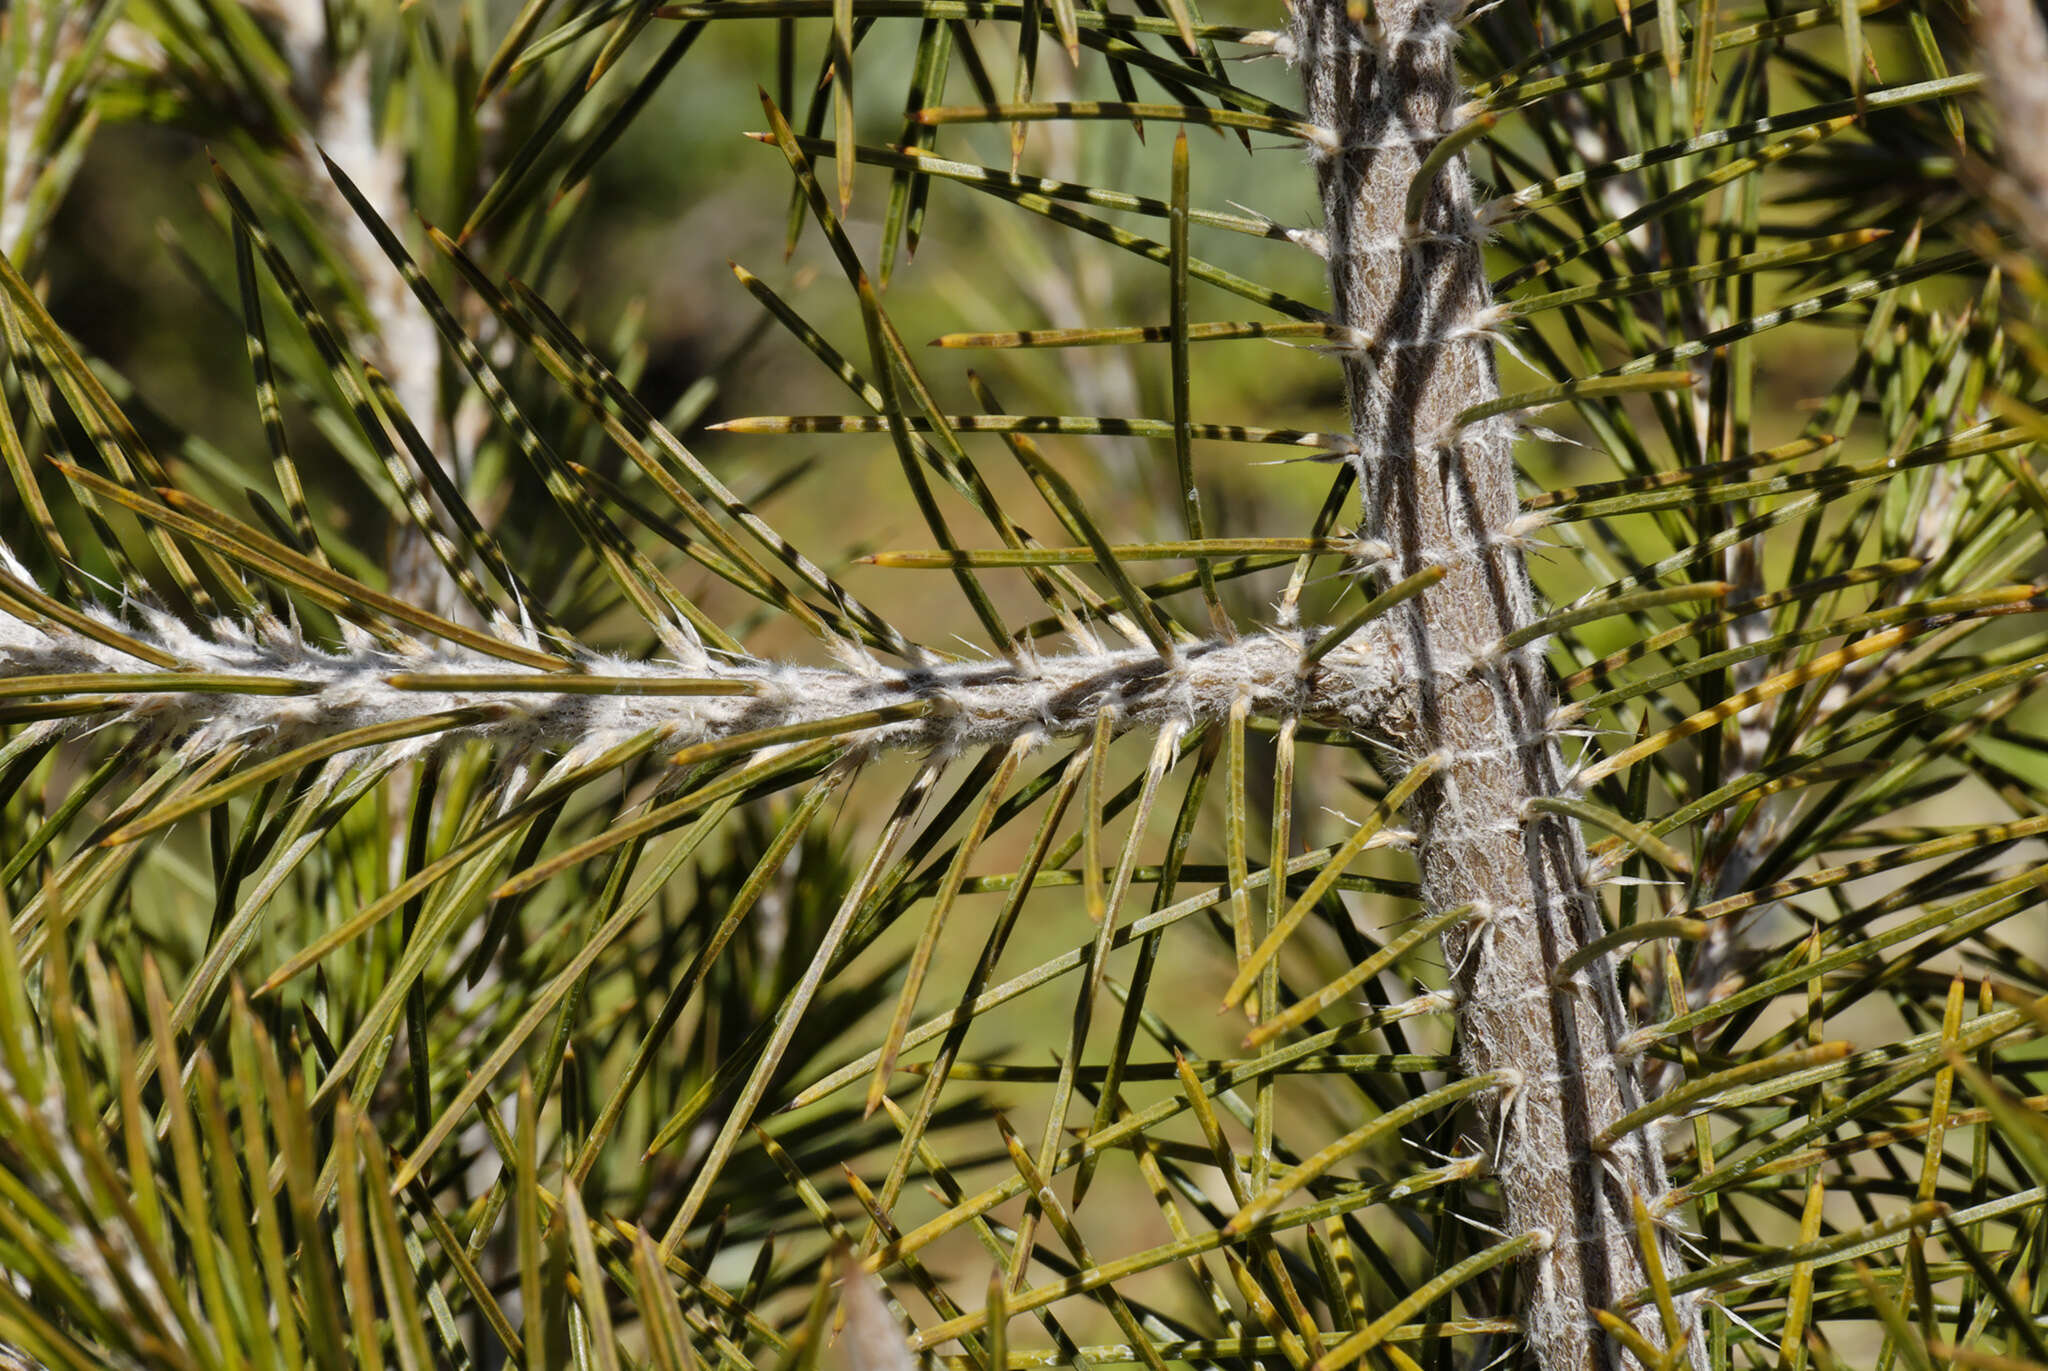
[[1458, 779]]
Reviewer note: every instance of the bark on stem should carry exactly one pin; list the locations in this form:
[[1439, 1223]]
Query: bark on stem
[[1416, 296], [2014, 43]]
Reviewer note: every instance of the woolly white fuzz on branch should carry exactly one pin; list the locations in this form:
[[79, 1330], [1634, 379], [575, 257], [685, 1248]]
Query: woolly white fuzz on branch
[[944, 708]]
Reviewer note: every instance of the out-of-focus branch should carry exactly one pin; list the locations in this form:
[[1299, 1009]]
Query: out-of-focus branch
[[2014, 42], [331, 86], [42, 150]]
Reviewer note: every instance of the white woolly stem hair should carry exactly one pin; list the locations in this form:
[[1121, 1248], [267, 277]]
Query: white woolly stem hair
[[1439, 493], [291, 693]]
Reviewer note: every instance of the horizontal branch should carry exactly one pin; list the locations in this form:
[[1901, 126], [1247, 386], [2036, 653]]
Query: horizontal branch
[[267, 693]]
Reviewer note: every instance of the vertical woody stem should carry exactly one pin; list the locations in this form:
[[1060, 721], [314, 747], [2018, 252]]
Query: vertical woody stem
[[1416, 297]]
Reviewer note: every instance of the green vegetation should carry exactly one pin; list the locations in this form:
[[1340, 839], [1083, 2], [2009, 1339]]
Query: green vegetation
[[1264, 688]]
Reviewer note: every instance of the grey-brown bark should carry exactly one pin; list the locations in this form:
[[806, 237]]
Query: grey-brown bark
[[2014, 42], [1440, 493]]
